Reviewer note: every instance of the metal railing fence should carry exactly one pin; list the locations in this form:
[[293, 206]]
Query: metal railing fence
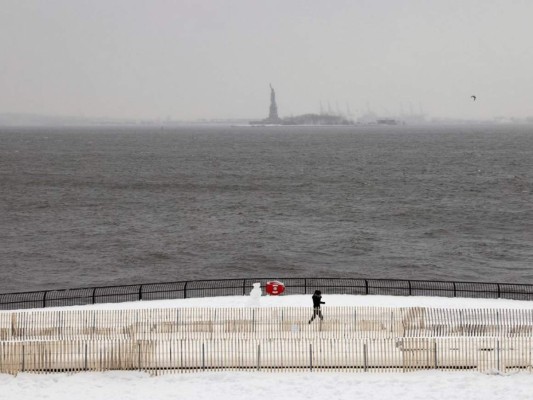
[[239, 287]]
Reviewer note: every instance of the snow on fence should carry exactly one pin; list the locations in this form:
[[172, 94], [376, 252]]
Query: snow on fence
[[191, 339]]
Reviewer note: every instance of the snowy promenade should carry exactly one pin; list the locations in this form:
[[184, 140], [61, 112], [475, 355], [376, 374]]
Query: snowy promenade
[[414, 385]]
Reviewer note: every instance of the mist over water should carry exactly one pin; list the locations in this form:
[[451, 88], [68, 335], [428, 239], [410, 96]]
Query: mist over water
[[104, 206]]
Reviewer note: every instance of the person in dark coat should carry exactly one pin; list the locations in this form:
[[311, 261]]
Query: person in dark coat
[[317, 301]]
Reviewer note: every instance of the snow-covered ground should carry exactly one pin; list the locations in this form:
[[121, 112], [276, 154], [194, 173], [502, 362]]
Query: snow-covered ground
[[261, 385], [330, 300], [425, 385]]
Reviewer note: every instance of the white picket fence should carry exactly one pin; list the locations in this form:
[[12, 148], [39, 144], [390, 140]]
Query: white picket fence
[[192, 339], [264, 323], [170, 356]]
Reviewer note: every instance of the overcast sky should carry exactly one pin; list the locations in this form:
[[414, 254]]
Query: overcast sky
[[215, 58]]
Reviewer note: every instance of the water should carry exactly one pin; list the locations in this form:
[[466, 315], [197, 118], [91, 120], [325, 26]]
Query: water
[[103, 206]]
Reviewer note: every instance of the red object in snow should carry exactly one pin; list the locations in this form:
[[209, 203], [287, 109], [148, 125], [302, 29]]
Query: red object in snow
[[274, 288]]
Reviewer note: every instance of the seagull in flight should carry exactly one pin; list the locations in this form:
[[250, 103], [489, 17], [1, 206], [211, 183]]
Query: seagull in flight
[[473, 97]]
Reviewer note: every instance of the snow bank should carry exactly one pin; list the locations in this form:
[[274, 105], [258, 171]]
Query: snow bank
[[428, 385], [305, 301]]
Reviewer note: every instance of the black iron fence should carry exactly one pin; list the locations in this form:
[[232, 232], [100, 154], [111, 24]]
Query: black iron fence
[[239, 287]]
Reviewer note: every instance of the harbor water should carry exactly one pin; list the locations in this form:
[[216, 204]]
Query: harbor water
[[99, 206]]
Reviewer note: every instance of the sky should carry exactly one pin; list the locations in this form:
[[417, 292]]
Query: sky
[[192, 59]]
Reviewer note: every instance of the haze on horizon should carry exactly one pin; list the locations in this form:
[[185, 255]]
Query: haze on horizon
[[189, 59]]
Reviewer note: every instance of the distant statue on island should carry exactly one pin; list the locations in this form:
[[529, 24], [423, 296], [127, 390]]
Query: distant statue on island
[[273, 115], [305, 119]]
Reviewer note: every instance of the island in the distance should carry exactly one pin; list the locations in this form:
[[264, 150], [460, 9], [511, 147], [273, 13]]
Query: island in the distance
[[305, 119]]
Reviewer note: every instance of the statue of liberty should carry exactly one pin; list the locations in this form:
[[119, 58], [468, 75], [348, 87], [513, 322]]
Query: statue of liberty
[[273, 115]]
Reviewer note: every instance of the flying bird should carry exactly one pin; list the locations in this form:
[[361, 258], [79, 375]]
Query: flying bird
[[473, 97]]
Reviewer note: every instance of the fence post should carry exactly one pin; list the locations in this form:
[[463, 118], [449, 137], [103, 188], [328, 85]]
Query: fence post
[[140, 292], [258, 356], [139, 348], [499, 292], [203, 356], [310, 356], [435, 352], [498, 355], [305, 285], [366, 286], [94, 295], [244, 287], [185, 290], [454, 290], [409, 287], [365, 355], [44, 298]]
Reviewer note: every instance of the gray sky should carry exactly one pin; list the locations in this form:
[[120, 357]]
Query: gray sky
[[215, 58]]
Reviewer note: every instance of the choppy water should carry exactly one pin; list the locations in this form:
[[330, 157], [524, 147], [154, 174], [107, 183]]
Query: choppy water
[[102, 206]]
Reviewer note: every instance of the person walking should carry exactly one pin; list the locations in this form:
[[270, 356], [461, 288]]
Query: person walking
[[317, 301]]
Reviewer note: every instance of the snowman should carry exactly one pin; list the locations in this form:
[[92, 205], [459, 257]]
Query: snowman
[[255, 295]]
